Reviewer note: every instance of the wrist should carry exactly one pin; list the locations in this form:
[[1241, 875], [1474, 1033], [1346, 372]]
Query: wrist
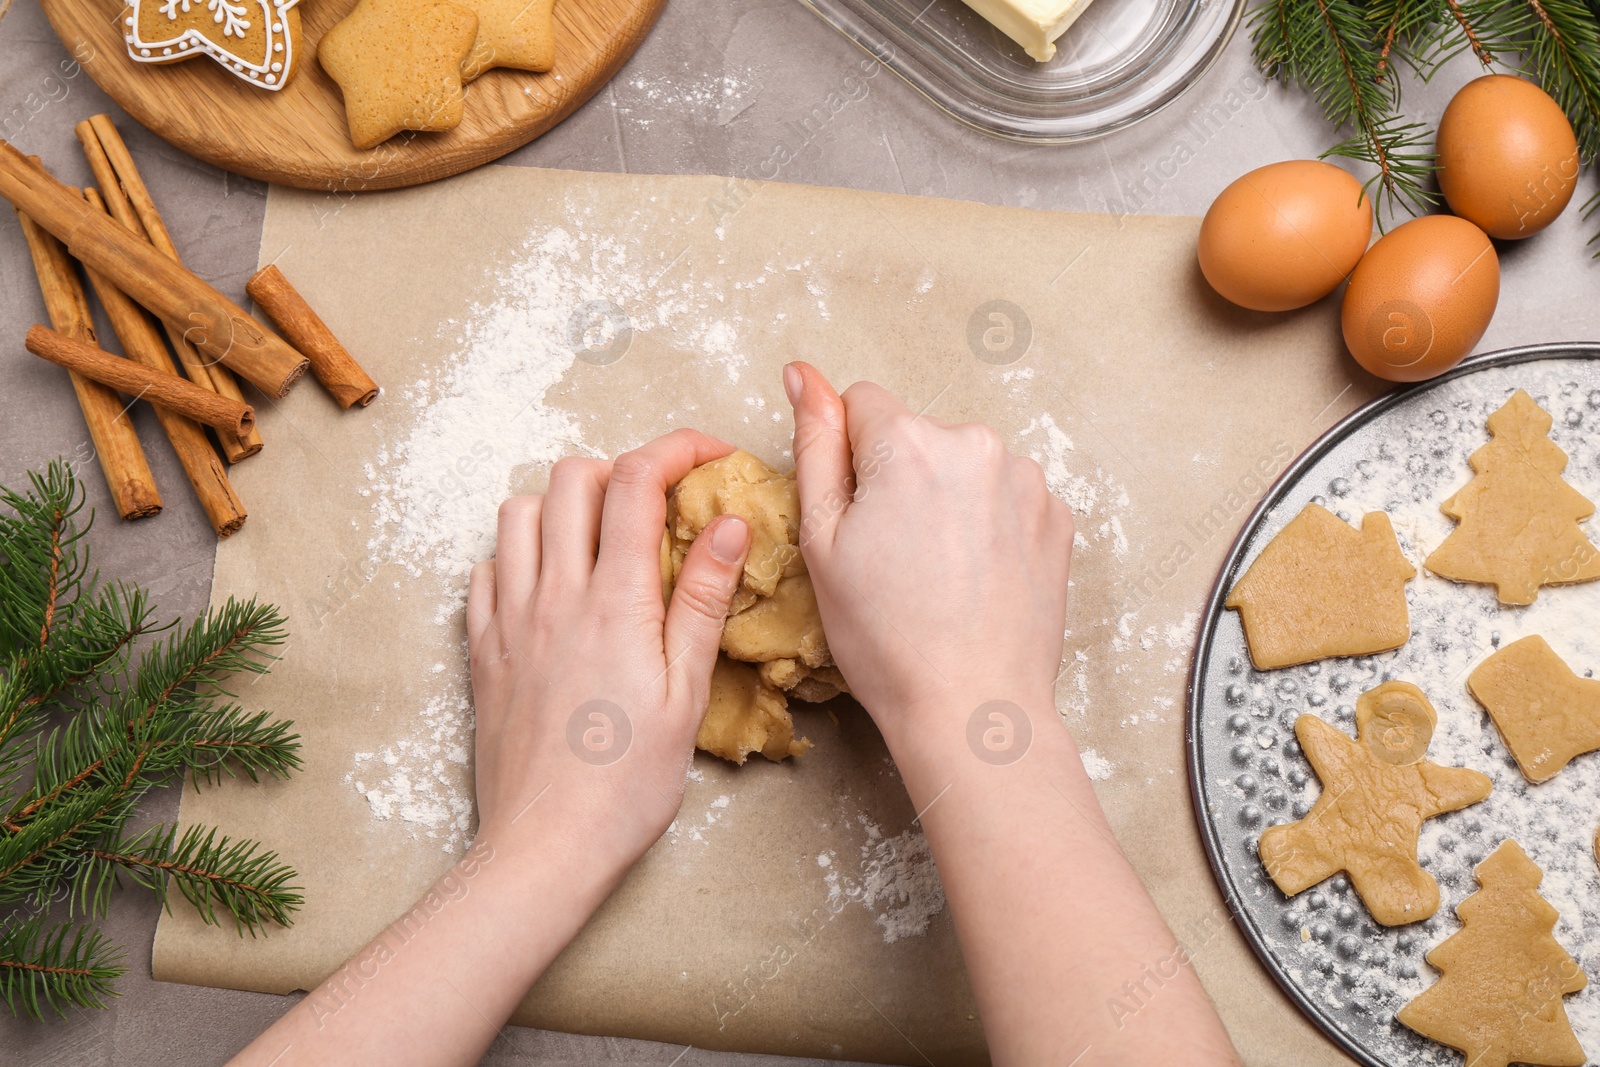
[[971, 725]]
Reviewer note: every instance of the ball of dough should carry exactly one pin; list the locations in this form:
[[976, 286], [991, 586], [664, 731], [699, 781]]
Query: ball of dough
[[745, 716], [773, 621]]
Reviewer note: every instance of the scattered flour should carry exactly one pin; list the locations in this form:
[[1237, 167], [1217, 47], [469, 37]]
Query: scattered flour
[[1097, 766], [896, 879]]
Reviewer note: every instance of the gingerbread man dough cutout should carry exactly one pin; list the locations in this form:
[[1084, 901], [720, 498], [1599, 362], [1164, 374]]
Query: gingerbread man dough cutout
[[1377, 791], [1547, 713]]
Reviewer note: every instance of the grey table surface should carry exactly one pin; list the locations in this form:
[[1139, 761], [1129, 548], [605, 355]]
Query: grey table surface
[[716, 89]]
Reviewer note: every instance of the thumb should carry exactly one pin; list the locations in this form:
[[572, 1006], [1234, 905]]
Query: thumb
[[821, 454], [699, 606]]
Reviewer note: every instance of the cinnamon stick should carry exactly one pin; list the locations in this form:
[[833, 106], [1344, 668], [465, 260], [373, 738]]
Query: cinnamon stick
[[168, 389], [338, 372], [130, 203], [142, 343], [218, 327], [122, 459]]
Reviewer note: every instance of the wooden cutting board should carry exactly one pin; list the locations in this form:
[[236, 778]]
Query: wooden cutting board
[[297, 136]]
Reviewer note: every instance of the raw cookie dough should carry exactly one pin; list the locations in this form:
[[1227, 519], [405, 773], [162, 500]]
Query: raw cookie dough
[[773, 621], [745, 716], [1322, 588], [1377, 791], [1503, 975], [741, 485], [1518, 519], [1546, 713]]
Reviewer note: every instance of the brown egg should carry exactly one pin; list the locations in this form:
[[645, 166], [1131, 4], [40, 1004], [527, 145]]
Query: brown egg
[[1421, 298], [1508, 159], [1285, 235]]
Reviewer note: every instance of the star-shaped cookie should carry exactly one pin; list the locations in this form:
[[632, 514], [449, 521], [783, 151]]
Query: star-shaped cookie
[[398, 63], [511, 33]]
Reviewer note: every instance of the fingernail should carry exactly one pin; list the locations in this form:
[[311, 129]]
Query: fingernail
[[728, 540], [793, 382]]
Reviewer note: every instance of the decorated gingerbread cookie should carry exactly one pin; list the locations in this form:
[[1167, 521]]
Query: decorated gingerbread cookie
[[1323, 588], [520, 34], [1518, 519], [398, 64], [1377, 791], [256, 40], [1503, 975], [1546, 713]]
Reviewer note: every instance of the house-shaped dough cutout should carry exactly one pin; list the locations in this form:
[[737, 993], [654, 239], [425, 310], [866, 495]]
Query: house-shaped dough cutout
[[1547, 713], [1323, 588]]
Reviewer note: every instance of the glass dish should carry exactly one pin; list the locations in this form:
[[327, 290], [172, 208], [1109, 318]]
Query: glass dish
[[1122, 61]]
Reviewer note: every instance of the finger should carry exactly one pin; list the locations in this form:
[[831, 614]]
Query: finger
[[821, 454], [636, 505], [569, 522], [480, 603], [516, 552], [693, 630]]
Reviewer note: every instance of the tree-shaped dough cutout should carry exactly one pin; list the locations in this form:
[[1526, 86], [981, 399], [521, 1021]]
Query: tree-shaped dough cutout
[[1518, 518], [1503, 974], [1377, 791]]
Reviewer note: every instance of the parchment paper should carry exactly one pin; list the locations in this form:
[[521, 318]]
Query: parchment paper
[[1157, 408]]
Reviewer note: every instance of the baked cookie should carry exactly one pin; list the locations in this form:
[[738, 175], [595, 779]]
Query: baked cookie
[[1377, 791], [1322, 588], [257, 41], [520, 34], [398, 64], [1546, 713], [1518, 519], [1503, 975]]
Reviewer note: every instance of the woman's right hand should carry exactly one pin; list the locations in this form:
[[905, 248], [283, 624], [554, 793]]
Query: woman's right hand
[[972, 605]]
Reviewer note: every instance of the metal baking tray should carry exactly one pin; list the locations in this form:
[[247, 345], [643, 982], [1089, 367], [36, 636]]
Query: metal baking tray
[[1404, 452], [1121, 61]]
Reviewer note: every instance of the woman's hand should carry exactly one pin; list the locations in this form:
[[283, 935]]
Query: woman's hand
[[940, 565], [939, 559], [588, 690]]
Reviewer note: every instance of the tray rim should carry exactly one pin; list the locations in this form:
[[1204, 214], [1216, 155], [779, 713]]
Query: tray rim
[[1313, 453]]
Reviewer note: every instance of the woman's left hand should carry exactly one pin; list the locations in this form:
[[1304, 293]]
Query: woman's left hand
[[589, 691]]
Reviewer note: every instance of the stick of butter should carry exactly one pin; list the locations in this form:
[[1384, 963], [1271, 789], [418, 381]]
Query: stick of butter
[[1034, 24]]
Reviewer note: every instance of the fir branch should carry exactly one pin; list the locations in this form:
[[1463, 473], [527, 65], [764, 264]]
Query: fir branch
[[1407, 144], [68, 966], [1327, 47], [226, 640], [36, 858], [251, 885], [65, 642]]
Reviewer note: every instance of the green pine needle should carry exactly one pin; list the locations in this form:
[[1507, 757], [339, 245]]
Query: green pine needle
[[85, 732], [1344, 52], [59, 968], [248, 884]]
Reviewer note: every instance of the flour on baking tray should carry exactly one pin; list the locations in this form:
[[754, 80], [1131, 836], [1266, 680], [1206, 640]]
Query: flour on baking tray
[[1348, 963]]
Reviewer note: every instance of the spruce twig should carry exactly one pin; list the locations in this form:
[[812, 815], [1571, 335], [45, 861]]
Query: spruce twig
[[1344, 51], [57, 968], [1328, 48], [97, 735]]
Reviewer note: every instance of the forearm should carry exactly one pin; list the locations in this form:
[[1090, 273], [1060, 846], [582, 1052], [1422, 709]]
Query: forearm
[[1054, 924], [436, 986]]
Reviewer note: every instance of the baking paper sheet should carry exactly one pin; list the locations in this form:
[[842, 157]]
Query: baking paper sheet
[[645, 303]]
